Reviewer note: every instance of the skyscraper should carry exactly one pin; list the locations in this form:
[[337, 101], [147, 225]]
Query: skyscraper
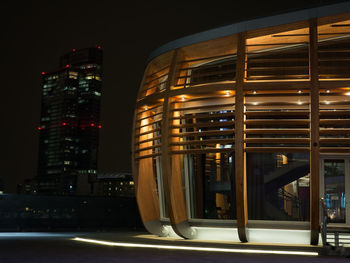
[[70, 121]]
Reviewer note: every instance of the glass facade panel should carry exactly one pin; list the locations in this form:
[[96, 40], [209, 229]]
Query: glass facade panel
[[334, 190], [278, 186], [212, 185]]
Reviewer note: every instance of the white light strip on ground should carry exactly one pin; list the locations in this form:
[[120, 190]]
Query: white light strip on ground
[[211, 249]]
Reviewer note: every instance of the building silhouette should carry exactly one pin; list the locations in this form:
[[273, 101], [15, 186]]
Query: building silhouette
[[70, 121]]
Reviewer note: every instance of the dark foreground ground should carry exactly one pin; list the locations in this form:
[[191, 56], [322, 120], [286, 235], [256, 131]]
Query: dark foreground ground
[[59, 247]]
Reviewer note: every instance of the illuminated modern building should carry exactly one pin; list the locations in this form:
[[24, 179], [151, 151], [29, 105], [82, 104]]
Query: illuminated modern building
[[70, 121], [240, 130]]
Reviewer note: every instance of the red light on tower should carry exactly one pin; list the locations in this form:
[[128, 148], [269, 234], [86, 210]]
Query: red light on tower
[[43, 73], [64, 123], [74, 50], [67, 66], [99, 47], [92, 124], [100, 126], [40, 128]]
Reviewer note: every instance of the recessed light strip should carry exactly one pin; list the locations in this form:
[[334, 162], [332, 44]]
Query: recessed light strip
[[210, 249]]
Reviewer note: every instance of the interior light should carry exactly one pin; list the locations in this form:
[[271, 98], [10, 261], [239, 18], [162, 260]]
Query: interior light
[[182, 97], [347, 94], [146, 107], [328, 91], [190, 248], [299, 102], [254, 92], [227, 92], [299, 91], [255, 103], [327, 102]]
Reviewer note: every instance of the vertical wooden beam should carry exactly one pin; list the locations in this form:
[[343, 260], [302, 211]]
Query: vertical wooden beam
[[145, 183], [240, 158], [314, 134], [171, 171]]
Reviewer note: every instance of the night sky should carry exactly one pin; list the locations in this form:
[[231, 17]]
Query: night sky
[[36, 33]]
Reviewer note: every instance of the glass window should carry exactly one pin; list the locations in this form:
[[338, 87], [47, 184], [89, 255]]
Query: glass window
[[278, 186], [334, 189], [212, 185]]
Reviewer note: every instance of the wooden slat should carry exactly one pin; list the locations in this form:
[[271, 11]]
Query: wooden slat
[[328, 84], [201, 142], [202, 151], [335, 113], [205, 116], [276, 113], [277, 131], [334, 131], [203, 124], [277, 149], [335, 140], [334, 122], [138, 141], [252, 104], [150, 116], [147, 132], [142, 149], [279, 85], [148, 109], [277, 140], [205, 107], [203, 133], [278, 122], [206, 58], [335, 149], [148, 156]]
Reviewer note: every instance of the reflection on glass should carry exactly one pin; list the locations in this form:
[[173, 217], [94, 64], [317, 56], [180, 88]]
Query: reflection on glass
[[278, 186], [334, 189], [212, 188]]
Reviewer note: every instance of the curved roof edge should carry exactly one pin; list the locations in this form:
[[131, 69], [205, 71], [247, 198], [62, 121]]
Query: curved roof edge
[[286, 18]]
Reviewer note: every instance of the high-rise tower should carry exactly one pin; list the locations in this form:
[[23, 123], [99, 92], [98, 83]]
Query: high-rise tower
[[70, 121]]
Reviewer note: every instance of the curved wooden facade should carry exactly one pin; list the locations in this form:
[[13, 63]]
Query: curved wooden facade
[[211, 113]]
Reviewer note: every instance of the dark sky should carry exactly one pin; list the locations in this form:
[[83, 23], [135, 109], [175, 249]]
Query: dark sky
[[36, 33]]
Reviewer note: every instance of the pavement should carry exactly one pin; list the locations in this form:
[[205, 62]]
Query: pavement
[[132, 246]]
